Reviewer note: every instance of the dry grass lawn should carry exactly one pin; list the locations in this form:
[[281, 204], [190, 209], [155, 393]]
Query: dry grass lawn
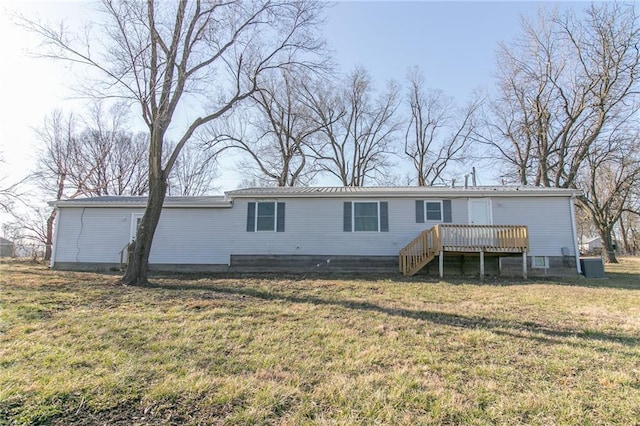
[[78, 349]]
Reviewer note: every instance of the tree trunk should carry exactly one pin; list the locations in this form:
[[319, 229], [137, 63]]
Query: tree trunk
[[625, 238], [48, 244], [607, 247], [138, 265]]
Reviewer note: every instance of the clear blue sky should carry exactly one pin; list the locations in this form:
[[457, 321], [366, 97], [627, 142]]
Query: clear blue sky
[[454, 43]]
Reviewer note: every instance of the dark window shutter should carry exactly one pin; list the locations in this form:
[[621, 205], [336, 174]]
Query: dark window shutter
[[446, 214], [419, 211], [251, 217], [384, 216], [280, 218], [346, 227]]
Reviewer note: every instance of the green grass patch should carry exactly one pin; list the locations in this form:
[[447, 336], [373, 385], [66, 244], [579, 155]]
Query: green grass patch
[[77, 348]]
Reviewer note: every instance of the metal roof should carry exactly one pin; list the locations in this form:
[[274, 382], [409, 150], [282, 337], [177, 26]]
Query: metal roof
[[399, 191]]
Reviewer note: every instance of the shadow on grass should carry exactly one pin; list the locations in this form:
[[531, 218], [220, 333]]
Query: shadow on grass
[[539, 331], [625, 281]]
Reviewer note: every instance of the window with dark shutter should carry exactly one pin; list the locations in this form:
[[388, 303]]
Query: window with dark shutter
[[280, 212], [346, 217], [419, 211], [265, 216], [384, 216], [366, 216], [446, 211], [433, 211], [251, 217]]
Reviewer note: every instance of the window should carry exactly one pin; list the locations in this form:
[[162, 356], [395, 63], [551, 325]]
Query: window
[[371, 216], [265, 216], [539, 262], [433, 211], [365, 217]]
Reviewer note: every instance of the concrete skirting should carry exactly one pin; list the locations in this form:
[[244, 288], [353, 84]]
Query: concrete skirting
[[154, 267], [316, 264], [454, 265]]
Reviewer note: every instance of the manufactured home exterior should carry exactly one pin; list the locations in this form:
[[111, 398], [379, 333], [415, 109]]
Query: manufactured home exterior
[[318, 229]]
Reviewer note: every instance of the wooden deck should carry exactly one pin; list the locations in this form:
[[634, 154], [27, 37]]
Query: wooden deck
[[463, 239]]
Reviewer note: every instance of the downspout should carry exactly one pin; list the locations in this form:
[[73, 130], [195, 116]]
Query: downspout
[[55, 238], [572, 206]]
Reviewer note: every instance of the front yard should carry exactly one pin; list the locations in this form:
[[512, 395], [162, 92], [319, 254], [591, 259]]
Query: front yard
[[79, 349]]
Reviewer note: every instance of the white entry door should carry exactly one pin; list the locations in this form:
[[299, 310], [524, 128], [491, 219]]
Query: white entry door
[[480, 211], [136, 218]]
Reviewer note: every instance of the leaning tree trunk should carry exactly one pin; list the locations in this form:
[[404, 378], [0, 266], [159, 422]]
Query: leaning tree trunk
[[48, 244], [607, 246], [138, 265]]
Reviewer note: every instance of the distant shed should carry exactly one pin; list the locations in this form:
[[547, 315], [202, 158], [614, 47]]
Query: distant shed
[[7, 248]]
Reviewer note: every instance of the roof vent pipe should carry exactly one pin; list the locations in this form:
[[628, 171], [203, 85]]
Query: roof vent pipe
[[466, 181], [453, 183]]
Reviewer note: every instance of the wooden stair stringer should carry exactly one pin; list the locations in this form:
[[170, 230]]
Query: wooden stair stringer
[[427, 258]]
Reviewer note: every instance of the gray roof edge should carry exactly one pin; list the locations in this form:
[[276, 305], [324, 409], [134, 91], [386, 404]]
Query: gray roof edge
[[141, 202], [225, 201]]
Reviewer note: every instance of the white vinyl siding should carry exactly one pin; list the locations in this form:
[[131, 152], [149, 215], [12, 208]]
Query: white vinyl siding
[[183, 235], [548, 220], [314, 226]]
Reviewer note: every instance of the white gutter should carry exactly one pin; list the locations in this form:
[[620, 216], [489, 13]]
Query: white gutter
[[574, 232]]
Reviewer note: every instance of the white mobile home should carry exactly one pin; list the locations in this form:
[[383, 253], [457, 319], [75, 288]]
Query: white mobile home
[[488, 230]]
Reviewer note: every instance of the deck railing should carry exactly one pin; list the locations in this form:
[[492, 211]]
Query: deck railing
[[487, 238], [462, 238]]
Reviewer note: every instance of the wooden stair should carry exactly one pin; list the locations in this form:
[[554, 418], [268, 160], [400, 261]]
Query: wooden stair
[[422, 250]]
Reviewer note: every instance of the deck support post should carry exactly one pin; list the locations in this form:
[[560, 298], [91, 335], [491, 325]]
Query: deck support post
[[441, 263], [524, 265], [481, 265]]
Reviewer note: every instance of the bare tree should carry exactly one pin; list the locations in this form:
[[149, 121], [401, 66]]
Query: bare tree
[[609, 182], [565, 82], [163, 55], [629, 224], [357, 130], [10, 192], [194, 172], [114, 157], [569, 92], [60, 172], [274, 131], [438, 133]]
